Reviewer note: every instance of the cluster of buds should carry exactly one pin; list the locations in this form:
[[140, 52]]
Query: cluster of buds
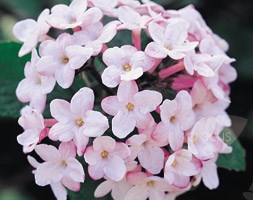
[[143, 143]]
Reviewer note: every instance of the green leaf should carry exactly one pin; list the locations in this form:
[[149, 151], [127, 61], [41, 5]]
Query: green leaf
[[12, 72], [236, 159], [23, 8]]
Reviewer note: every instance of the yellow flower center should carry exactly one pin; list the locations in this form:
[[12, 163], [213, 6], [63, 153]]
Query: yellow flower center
[[168, 47], [194, 138], [174, 163], [65, 59], [130, 106], [127, 68], [79, 122], [104, 154], [39, 80], [72, 21], [65, 162], [172, 119], [150, 183]]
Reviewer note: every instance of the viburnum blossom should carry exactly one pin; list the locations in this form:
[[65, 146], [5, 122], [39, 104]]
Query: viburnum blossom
[[151, 187], [125, 63], [35, 87], [95, 35], [170, 40], [106, 158], [34, 127], [118, 189], [177, 116], [74, 15], [131, 108], [30, 32], [133, 93], [61, 58], [180, 166], [59, 170], [77, 120], [146, 148], [203, 141]]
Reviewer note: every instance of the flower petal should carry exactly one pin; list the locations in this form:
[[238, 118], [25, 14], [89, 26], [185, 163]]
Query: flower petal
[[115, 169], [48, 152], [111, 76], [82, 101], [47, 173], [122, 124], [60, 110], [95, 124], [147, 100], [126, 90], [111, 105], [151, 153]]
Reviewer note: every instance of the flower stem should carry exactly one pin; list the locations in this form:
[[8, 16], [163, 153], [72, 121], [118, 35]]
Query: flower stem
[[171, 70]]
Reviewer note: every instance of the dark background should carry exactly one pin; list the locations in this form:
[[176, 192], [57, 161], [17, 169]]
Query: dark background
[[231, 19]]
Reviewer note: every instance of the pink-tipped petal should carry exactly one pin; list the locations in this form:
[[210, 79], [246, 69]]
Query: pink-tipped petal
[[47, 152]]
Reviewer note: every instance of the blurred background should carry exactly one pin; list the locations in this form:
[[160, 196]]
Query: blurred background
[[232, 20]]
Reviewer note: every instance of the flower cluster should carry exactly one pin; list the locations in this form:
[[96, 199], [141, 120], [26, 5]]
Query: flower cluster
[[153, 130]]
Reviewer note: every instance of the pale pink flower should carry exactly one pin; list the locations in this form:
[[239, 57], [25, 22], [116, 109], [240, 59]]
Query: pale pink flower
[[59, 170], [107, 158], [35, 130], [180, 166], [206, 105], [131, 108], [58, 189], [131, 19], [177, 116], [107, 6], [30, 32], [77, 120], [227, 74], [95, 35], [74, 15], [150, 8], [118, 189], [147, 187], [125, 63], [134, 4], [197, 25], [172, 195], [213, 84], [34, 87], [170, 40], [209, 173], [146, 148], [203, 142], [61, 58], [211, 46], [204, 64]]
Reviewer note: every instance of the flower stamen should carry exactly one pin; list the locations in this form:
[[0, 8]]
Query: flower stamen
[[127, 68], [65, 59], [150, 183], [130, 106], [104, 154], [79, 122], [174, 163]]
